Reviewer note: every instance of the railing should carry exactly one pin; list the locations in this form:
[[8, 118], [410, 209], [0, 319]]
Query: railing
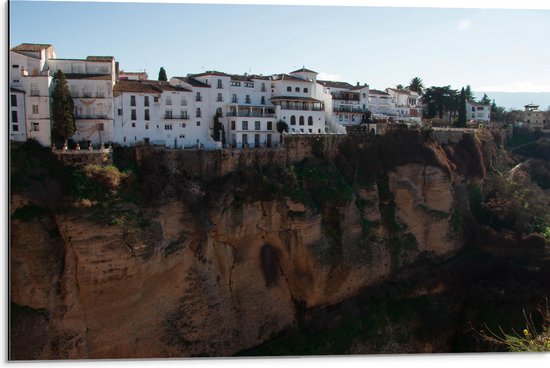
[[91, 117], [234, 100], [35, 92], [348, 109], [290, 107], [250, 114], [173, 117]]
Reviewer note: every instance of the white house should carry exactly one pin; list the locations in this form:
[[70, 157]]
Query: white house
[[478, 112], [91, 82], [404, 105], [160, 113], [30, 82], [294, 96], [349, 103]]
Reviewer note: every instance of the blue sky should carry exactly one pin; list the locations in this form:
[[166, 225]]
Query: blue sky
[[492, 49]]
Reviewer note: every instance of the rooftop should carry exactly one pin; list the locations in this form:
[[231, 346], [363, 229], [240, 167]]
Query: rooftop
[[377, 92], [334, 84], [302, 70], [31, 47], [89, 76], [193, 82], [145, 86], [100, 58], [276, 77]]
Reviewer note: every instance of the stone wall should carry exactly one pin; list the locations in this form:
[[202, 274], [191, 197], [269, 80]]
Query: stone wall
[[85, 157]]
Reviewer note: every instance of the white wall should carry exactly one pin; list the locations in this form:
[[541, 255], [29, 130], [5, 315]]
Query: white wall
[[18, 129]]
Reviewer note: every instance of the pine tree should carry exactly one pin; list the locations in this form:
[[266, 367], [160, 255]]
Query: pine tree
[[62, 108], [462, 109], [162, 74]]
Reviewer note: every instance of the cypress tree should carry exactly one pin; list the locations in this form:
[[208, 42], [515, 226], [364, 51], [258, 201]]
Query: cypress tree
[[62, 108], [162, 74], [462, 109]]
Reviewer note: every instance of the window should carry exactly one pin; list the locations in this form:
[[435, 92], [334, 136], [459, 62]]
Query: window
[[168, 114], [263, 87], [219, 99], [119, 111], [167, 126], [263, 100], [293, 120], [220, 83], [480, 108], [183, 101], [269, 125], [297, 89], [146, 126], [310, 120], [245, 125], [198, 97], [100, 93], [146, 114], [198, 114], [183, 114], [301, 120], [364, 95], [182, 125], [101, 127], [310, 130], [14, 116], [198, 123], [35, 109], [132, 100], [247, 100], [232, 124], [257, 125], [133, 125], [235, 84], [155, 99], [305, 90], [168, 100], [289, 89], [14, 100], [146, 101], [234, 98], [15, 128], [249, 84], [134, 114], [35, 91], [15, 66], [35, 127], [473, 108]]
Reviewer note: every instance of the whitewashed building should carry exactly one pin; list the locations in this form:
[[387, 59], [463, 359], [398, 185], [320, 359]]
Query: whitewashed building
[[349, 103], [30, 83], [404, 106], [478, 112], [91, 82]]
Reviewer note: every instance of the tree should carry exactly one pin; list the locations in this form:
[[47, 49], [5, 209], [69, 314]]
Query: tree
[[440, 100], [469, 94], [162, 74], [282, 126], [416, 85], [62, 108], [399, 86], [485, 100], [461, 122], [498, 113]]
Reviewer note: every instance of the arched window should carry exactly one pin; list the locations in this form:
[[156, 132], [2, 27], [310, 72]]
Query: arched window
[[301, 120], [297, 89], [310, 120], [293, 120], [289, 89]]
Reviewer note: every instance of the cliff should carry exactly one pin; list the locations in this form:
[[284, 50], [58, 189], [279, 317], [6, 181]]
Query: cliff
[[211, 264]]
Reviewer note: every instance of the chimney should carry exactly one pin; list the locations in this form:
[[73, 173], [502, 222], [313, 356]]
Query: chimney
[[116, 70]]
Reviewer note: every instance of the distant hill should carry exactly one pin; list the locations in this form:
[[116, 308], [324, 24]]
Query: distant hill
[[516, 100]]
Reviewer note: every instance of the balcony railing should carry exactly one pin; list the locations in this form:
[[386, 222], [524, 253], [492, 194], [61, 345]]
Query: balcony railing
[[234, 100], [176, 117], [35, 92], [244, 114], [302, 108], [350, 109], [91, 117]]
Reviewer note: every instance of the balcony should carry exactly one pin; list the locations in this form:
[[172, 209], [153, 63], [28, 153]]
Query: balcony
[[358, 110], [91, 117], [173, 117], [247, 114], [234, 100], [301, 108], [35, 92]]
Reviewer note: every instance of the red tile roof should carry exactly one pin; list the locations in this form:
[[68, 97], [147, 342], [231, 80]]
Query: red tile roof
[[193, 82], [100, 58], [36, 47], [303, 70], [145, 86], [277, 77], [334, 84]]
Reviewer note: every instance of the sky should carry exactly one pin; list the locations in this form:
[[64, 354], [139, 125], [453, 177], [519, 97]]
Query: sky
[[490, 49]]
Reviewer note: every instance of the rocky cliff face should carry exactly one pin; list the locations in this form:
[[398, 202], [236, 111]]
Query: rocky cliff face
[[213, 277]]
